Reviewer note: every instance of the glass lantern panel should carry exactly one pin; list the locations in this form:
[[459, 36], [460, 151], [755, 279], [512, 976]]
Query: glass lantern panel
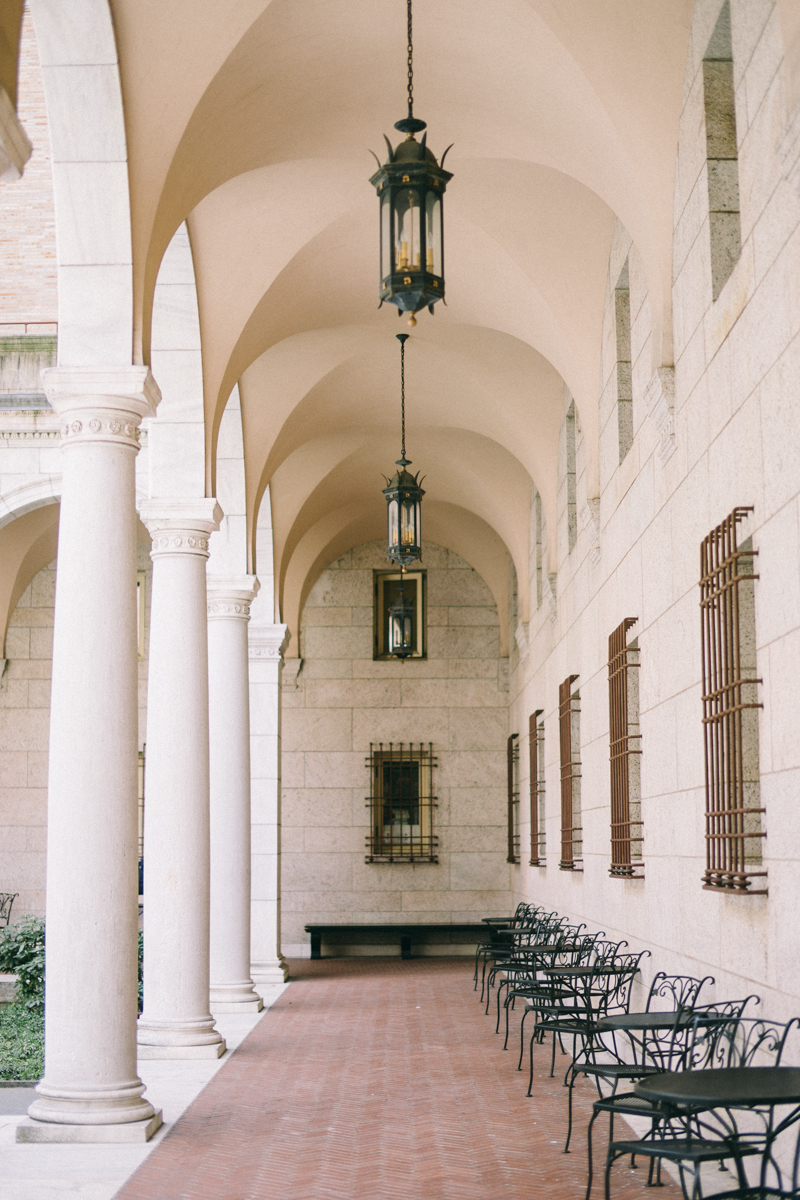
[[407, 230], [433, 234], [392, 527], [408, 524], [387, 265]]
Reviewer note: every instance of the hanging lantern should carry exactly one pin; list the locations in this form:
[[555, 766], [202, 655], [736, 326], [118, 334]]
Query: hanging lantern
[[403, 493], [410, 186], [402, 615]]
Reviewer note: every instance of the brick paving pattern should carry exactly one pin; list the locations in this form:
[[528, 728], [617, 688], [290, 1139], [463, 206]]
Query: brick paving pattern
[[377, 1078]]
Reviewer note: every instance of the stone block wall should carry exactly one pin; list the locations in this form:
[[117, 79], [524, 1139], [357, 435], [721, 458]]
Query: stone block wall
[[343, 701], [24, 736], [736, 442]]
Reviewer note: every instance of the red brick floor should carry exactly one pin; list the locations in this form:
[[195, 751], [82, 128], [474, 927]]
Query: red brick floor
[[377, 1078]]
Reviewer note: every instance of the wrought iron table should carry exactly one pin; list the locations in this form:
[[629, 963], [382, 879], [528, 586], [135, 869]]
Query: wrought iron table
[[643, 1022], [725, 1087]]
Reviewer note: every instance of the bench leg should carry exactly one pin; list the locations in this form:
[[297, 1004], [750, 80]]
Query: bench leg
[[405, 945], [316, 945]]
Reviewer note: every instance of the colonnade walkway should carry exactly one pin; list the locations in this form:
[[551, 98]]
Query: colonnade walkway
[[376, 1078]]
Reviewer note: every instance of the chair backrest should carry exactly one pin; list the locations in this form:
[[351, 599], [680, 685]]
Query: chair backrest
[[625, 968], [678, 992], [6, 901], [714, 1031]]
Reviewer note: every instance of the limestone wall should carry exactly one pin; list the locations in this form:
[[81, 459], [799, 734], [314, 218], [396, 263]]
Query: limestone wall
[[736, 442], [24, 735], [343, 701]]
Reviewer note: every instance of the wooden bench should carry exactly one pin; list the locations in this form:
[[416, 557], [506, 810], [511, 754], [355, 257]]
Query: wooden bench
[[403, 933]]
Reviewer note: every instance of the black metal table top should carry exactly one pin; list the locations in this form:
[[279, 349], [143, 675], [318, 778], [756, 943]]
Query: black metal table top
[[644, 1021], [724, 1087], [584, 970]]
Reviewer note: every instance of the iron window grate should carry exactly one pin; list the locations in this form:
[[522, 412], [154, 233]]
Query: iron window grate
[[625, 748], [536, 760], [401, 803], [512, 764], [730, 726], [569, 738]]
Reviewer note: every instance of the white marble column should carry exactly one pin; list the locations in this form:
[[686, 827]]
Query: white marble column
[[91, 1091], [266, 645], [229, 600], [176, 1021]]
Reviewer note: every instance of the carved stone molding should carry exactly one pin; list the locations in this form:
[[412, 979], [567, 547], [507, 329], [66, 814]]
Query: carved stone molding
[[590, 522], [290, 677], [549, 585], [94, 425], [267, 641], [180, 526], [230, 597], [97, 404], [660, 400]]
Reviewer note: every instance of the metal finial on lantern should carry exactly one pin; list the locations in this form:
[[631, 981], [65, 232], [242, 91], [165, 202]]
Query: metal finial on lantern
[[410, 185], [403, 493]]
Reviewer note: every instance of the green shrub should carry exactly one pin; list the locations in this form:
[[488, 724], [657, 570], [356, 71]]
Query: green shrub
[[21, 1042], [22, 954]]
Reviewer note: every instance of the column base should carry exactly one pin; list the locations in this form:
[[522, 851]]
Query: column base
[[234, 997], [214, 1050], [29, 1131], [274, 970], [243, 1006]]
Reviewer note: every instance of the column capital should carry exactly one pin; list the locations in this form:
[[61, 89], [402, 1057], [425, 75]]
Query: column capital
[[180, 526], [101, 404], [230, 596], [268, 641]]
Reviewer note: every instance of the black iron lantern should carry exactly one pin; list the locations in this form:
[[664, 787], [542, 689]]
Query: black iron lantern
[[403, 493], [402, 615], [411, 186]]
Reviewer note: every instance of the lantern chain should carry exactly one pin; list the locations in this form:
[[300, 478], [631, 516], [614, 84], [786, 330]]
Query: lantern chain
[[401, 337], [410, 64]]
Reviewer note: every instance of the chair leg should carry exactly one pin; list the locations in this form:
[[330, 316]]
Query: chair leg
[[569, 1112], [522, 1037], [592, 1120]]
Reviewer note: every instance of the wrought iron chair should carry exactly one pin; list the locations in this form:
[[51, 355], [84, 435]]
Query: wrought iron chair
[[6, 901], [529, 957], [691, 1139], [604, 991], [503, 930], [576, 948], [519, 941], [616, 1056]]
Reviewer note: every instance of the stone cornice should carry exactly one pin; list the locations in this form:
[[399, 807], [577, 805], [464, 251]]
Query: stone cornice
[[267, 641], [230, 596]]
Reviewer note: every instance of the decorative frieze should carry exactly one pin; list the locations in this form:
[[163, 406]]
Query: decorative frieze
[[180, 526], [268, 641], [230, 597]]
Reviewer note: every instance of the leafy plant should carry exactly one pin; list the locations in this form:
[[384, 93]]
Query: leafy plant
[[22, 954], [21, 1042]]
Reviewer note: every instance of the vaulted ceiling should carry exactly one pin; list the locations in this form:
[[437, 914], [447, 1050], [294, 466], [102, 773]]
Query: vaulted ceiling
[[252, 120]]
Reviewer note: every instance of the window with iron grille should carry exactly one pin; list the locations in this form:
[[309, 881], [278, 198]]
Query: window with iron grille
[[536, 758], [512, 765], [569, 717], [730, 717], [401, 803], [625, 753]]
